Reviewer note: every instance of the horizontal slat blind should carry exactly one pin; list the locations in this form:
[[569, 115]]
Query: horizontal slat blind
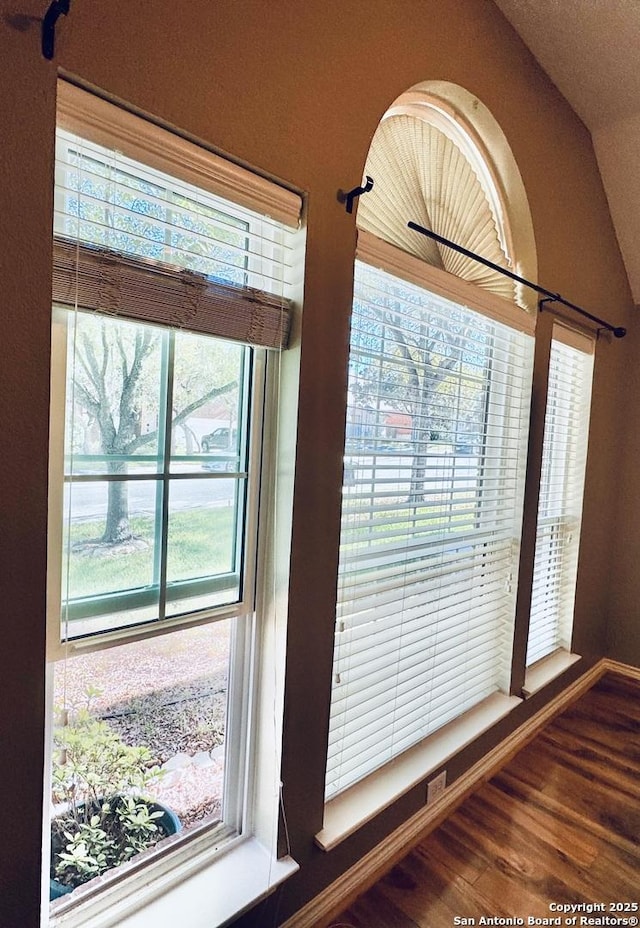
[[96, 120], [564, 457], [135, 241], [437, 421]]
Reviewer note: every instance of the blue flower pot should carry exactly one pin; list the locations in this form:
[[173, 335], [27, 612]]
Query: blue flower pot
[[168, 822]]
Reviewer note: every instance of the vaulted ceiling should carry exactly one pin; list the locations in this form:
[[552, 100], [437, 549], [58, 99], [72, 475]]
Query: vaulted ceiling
[[590, 50]]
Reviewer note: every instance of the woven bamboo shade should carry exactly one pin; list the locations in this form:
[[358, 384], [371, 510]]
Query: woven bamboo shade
[[149, 291]]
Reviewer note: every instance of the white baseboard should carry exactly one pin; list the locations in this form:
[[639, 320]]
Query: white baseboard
[[328, 904]]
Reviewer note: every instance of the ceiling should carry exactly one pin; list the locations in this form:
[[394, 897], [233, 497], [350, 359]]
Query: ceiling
[[589, 49]]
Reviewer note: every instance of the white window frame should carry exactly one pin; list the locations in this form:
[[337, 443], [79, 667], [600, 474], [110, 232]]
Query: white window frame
[[359, 803], [214, 874], [58, 647], [568, 461], [211, 876]]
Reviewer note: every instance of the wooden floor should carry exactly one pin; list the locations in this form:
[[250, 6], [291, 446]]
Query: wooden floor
[[559, 824]]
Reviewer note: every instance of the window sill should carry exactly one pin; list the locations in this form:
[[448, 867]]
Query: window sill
[[546, 670], [211, 897], [362, 802]]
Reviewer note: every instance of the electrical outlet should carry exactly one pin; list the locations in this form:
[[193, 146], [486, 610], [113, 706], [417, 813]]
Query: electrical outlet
[[436, 787]]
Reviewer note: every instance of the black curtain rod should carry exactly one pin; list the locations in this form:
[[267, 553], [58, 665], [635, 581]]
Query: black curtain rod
[[618, 331]]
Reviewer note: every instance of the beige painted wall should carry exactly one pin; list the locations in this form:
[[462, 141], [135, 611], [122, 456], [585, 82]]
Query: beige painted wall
[[294, 90]]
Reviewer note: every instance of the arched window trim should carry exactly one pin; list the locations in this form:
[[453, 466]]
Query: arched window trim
[[492, 141], [444, 118], [468, 123]]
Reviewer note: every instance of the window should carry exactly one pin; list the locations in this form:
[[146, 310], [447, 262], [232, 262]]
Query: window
[[564, 455], [431, 517], [153, 527], [428, 167], [437, 425], [170, 310]]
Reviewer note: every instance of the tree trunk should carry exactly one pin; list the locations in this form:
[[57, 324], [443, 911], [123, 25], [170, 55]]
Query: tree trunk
[[117, 528], [418, 474], [420, 429]]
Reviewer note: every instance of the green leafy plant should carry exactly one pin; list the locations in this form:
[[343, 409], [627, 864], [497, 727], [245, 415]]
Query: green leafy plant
[[103, 785]]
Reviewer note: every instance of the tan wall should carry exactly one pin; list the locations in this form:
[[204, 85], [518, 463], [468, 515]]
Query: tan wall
[[295, 90], [623, 590]]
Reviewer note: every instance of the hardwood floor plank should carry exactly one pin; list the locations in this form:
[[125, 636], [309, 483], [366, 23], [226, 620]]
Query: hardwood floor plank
[[617, 686], [590, 795], [514, 899], [608, 712], [453, 854], [604, 721], [620, 873], [374, 910], [604, 740], [620, 770], [422, 893], [559, 823], [510, 780], [562, 779], [549, 871], [533, 865], [548, 828], [430, 893]]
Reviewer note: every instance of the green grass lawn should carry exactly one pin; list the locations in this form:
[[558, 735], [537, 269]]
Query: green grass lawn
[[385, 526], [200, 544]]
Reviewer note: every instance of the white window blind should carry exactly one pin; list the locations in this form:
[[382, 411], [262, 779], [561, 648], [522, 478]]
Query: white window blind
[[564, 457], [150, 227], [437, 420]]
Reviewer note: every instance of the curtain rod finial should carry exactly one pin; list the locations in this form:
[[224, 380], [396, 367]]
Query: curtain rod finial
[[56, 9]]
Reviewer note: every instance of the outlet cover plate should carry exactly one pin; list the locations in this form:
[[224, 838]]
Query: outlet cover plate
[[436, 787]]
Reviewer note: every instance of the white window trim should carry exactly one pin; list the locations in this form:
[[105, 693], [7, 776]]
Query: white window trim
[[356, 806], [442, 116], [380, 254], [206, 881], [541, 673], [552, 664], [194, 891], [574, 338], [200, 878], [99, 121]]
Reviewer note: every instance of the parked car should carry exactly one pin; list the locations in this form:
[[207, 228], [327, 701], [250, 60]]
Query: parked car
[[226, 461], [222, 437]]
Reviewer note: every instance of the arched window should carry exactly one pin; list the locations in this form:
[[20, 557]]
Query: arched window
[[440, 372], [428, 167], [440, 158]]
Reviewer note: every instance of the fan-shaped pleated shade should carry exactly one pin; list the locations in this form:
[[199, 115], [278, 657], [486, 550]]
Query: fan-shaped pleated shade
[[420, 174]]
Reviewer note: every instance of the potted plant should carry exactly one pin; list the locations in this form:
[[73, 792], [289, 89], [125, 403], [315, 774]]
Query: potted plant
[[106, 814]]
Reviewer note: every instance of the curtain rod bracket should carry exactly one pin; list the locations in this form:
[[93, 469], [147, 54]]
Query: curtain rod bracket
[[56, 9], [617, 331], [349, 197], [549, 295]]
